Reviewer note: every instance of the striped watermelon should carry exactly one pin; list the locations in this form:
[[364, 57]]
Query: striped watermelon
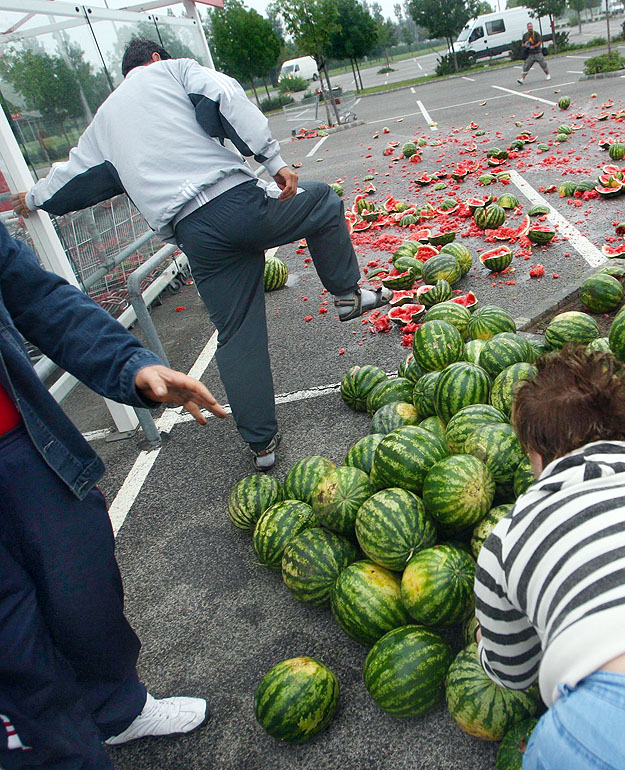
[[571, 326], [276, 274], [366, 601], [523, 477], [435, 425], [409, 369], [602, 344], [514, 744], [468, 629], [405, 670], [489, 217], [429, 295], [498, 446], [357, 384], [462, 255], [483, 529], [394, 415], [497, 259], [489, 320], [601, 293], [464, 422], [458, 491], [296, 699], [392, 525], [423, 394], [389, 391], [277, 526], [437, 344], [360, 455], [250, 497], [539, 348], [460, 385], [616, 336], [338, 497], [507, 383], [481, 707], [455, 314], [312, 562], [472, 350], [301, 481], [541, 233], [437, 586], [503, 350], [404, 456], [442, 267]]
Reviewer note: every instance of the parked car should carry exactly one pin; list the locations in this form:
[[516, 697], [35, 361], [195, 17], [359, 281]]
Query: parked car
[[302, 67], [494, 33]]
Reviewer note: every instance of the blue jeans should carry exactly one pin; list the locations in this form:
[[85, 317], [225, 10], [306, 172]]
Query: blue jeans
[[585, 728]]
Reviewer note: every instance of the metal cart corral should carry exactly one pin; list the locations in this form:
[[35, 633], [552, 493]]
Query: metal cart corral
[[312, 110]]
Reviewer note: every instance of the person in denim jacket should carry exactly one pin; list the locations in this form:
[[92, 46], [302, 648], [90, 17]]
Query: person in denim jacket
[[68, 678]]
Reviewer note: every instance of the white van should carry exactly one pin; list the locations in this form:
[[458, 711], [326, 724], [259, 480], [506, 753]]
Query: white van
[[303, 67], [494, 33]]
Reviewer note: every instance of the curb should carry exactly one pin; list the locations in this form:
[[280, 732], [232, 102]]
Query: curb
[[345, 126], [602, 75]]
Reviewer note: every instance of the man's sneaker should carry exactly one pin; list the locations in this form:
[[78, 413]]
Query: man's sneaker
[[265, 459], [548, 77], [519, 81], [168, 716]]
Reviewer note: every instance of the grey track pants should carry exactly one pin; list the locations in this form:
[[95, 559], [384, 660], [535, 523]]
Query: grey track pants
[[225, 242]]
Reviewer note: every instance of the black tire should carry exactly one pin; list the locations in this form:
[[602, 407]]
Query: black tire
[[315, 76]]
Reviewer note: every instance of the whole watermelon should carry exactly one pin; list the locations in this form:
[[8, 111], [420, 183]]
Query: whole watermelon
[[301, 481], [312, 562], [468, 419], [338, 496], [276, 274], [436, 344], [513, 745], [498, 447], [507, 383], [481, 707], [389, 391], [503, 350], [391, 526], [571, 326], [459, 385], [404, 456], [296, 699], [251, 497], [437, 586], [601, 293], [523, 477], [357, 384], [360, 455], [455, 314], [405, 670], [366, 601], [482, 530], [435, 425], [489, 320], [409, 369], [423, 394], [277, 526], [394, 415]]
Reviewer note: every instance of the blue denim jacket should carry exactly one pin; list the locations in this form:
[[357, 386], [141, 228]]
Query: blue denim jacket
[[79, 336]]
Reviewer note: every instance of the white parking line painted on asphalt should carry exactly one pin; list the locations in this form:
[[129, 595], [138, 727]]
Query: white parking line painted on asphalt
[[554, 86], [316, 147], [568, 56], [357, 100], [426, 115], [419, 65], [525, 96], [579, 242], [578, 72], [471, 80], [412, 91]]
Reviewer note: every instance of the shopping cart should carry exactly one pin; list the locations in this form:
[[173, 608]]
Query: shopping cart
[[312, 109]]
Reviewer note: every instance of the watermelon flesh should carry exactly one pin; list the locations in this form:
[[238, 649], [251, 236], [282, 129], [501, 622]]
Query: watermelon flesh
[[405, 314], [402, 298], [468, 300]]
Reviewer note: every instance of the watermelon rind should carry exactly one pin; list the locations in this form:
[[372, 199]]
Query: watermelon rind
[[482, 529], [503, 350], [276, 527], [507, 383], [479, 706], [366, 601], [467, 420], [489, 320], [423, 394], [601, 293], [437, 586], [460, 385], [358, 382], [405, 670], [338, 496], [302, 479], [387, 392], [360, 455], [472, 350], [498, 447], [296, 699], [312, 562], [404, 456], [458, 492], [391, 526], [251, 497], [436, 344], [514, 744], [276, 274], [524, 477], [453, 313], [571, 326]]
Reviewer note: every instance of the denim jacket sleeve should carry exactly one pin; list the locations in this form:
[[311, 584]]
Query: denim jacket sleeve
[[69, 327]]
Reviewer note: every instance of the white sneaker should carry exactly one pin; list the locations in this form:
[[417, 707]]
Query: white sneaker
[[168, 716], [548, 77]]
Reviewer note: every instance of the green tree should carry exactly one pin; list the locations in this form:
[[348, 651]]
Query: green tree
[[385, 30], [356, 36], [244, 42], [443, 19], [312, 23], [550, 8], [578, 6]]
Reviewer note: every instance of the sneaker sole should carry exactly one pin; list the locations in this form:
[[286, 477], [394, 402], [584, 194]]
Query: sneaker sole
[[207, 716]]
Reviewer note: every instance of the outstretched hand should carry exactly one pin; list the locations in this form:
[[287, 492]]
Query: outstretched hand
[[287, 182], [158, 383], [18, 201]]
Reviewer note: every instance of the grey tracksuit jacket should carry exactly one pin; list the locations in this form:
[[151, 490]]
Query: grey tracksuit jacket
[[159, 137]]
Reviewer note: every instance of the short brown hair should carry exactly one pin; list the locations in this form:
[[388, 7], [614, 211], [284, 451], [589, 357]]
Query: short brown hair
[[577, 397]]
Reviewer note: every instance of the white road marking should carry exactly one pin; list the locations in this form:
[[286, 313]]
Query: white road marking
[[357, 100], [471, 80], [518, 67], [553, 85], [316, 147], [419, 65], [525, 96], [426, 115], [579, 242], [568, 56], [579, 72], [412, 91]]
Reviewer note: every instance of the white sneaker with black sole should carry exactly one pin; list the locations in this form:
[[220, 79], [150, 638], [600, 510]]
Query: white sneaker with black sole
[[168, 716]]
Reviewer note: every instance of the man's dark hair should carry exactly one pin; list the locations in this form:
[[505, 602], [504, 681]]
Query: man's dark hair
[[578, 396], [139, 52]]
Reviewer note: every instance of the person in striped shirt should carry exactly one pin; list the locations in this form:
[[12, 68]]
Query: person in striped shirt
[[550, 580]]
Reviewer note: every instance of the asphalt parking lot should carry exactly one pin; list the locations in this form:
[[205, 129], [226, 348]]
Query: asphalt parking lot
[[211, 620]]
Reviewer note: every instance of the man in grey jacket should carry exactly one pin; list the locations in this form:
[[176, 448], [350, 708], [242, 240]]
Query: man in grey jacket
[[160, 137]]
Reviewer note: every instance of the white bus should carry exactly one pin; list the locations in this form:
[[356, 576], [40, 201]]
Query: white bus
[[494, 33]]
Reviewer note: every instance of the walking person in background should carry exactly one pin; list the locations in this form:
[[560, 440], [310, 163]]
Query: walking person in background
[[550, 580], [533, 53], [159, 137], [68, 677]]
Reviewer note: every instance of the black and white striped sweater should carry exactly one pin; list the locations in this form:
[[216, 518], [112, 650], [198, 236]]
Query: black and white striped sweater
[[550, 580]]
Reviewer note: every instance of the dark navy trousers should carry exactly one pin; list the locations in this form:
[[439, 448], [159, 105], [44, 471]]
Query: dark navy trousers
[[67, 653], [225, 241]]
